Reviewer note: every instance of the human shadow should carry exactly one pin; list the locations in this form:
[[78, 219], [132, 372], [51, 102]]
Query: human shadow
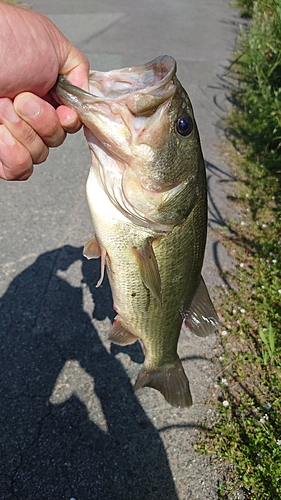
[[89, 441]]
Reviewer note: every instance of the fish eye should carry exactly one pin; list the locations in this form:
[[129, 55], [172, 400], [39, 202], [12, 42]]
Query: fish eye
[[184, 125]]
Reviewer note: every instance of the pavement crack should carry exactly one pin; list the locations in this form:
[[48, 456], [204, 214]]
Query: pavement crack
[[13, 476], [23, 453], [81, 46], [44, 294]]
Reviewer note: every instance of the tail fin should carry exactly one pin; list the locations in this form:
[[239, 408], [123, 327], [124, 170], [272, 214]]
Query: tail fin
[[171, 382]]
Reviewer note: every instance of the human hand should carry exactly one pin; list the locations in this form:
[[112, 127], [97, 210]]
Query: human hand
[[29, 127], [29, 122]]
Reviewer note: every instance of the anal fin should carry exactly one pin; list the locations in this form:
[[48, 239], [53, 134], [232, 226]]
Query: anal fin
[[121, 335], [201, 317], [172, 382]]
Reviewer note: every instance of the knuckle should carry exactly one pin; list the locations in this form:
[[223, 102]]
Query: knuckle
[[34, 144], [55, 136], [30, 136], [15, 159], [41, 156], [22, 162], [17, 170]]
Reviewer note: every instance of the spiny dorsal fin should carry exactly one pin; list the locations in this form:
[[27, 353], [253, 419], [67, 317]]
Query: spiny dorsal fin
[[172, 382], [120, 335], [149, 270], [201, 317]]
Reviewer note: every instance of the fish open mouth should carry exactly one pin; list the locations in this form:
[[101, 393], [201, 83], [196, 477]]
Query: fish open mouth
[[120, 81], [151, 80]]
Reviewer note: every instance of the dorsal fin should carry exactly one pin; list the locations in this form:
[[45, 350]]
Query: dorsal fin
[[201, 317], [148, 268]]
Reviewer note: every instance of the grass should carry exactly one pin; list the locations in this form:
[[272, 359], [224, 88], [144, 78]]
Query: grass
[[247, 431], [17, 4], [245, 439]]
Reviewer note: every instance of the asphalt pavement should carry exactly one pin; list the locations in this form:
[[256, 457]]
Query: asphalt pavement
[[71, 426]]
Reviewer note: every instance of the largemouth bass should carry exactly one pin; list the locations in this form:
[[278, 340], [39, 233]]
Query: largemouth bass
[[148, 200]]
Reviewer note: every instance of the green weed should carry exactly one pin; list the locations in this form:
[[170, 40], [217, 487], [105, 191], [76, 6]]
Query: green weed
[[268, 349], [245, 440], [257, 66], [246, 7], [17, 4]]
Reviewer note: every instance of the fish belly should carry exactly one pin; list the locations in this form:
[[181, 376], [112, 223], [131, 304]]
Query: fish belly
[[157, 323]]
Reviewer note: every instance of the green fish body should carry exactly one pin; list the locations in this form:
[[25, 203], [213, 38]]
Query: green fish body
[[148, 200]]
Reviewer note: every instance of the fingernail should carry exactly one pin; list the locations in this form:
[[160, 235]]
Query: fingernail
[[69, 120], [6, 137], [29, 108], [7, 111]]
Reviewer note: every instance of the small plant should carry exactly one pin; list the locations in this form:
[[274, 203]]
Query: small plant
[[246, 7], [268, 349]]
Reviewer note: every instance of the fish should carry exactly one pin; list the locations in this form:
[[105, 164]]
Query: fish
[[147, 196]]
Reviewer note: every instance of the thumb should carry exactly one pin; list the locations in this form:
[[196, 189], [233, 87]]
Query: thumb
[[75, 67]]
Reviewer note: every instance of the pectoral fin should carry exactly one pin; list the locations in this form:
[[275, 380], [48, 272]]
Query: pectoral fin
[[201, 317], [148, 268], [171, 382], [93, 250]]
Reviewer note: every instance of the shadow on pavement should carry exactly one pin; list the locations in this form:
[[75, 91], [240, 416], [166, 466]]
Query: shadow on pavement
[[95, 441], [221, 177]]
